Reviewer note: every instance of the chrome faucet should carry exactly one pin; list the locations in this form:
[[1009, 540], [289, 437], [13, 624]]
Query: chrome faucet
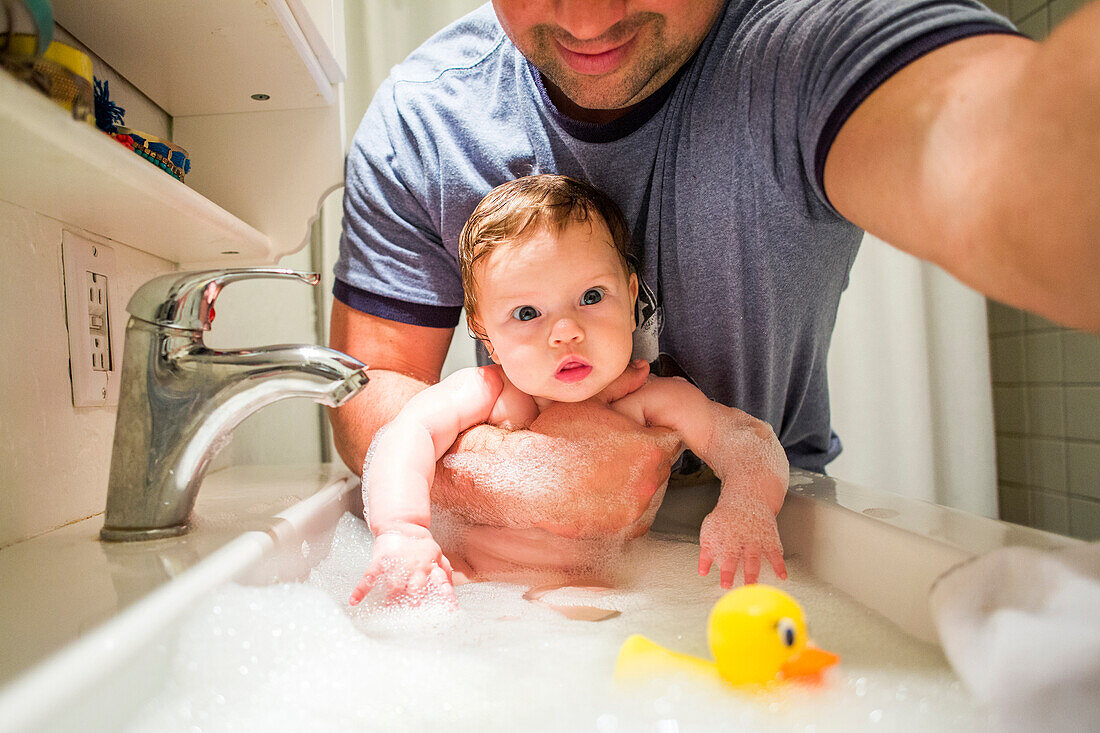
[[179, 400]]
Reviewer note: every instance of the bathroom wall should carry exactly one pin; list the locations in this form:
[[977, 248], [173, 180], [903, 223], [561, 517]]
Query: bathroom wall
[[1046, 387], [1046, 401], [54, 458]]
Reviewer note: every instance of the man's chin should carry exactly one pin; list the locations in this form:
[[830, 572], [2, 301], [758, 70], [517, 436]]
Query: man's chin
[[593, 95], [607, 94]]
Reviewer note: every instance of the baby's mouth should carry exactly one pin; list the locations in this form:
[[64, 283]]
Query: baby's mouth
[[572, 370]]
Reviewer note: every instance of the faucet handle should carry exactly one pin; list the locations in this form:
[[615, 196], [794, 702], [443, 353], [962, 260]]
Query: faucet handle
[[185, 300]]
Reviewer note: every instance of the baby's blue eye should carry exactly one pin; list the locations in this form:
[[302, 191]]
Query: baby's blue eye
[[525, 313], [592, 296]]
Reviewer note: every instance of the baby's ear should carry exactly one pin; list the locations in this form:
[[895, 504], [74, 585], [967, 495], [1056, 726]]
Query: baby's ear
[[477, 332], [634, 298]]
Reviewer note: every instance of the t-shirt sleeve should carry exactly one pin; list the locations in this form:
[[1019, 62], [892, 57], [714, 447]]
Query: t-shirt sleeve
[[815, 61], [392, 262]]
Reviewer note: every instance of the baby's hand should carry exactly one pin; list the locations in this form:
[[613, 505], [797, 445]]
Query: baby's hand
[[740, 529], [410, 565]]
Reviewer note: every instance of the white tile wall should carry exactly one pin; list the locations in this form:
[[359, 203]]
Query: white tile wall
[[1046, 464], [1083, 412], [1083, 466], [1084, 518], [1021, 9], [1046, 395], [1035, 25], [1050, 511], [1045, 411]]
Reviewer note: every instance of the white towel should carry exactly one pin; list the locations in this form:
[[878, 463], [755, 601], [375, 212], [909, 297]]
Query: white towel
[[1021, 627]]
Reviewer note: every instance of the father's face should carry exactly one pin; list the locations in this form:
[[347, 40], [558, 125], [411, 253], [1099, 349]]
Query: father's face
[[607, 54]]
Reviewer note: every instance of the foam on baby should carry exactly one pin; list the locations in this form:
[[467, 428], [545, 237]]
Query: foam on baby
[[521, 546]]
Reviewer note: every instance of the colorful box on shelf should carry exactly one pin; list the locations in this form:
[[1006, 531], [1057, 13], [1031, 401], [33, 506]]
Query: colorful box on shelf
[[62, 73], [167, 156]]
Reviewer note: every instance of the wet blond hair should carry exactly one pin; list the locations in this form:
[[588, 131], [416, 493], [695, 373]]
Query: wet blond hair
[[513, 208]]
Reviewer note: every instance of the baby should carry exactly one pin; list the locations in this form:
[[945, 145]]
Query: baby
[[550, 294]]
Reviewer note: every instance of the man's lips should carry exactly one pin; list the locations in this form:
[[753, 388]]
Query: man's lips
[[572, 370], [594, 64]]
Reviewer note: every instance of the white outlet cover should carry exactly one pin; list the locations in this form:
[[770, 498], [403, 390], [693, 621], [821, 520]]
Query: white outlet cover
[[80, 256]]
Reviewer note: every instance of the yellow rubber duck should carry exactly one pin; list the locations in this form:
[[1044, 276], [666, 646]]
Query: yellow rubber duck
[[756, 633]]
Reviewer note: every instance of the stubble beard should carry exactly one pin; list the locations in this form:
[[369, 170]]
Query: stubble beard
[[651, 63]]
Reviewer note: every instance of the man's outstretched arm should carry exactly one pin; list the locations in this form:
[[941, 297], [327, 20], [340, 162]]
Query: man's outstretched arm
[[983, 157]]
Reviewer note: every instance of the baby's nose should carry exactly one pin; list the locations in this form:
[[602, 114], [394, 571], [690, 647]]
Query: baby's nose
[[565, 331]]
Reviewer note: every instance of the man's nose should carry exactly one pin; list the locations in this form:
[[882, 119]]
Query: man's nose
[[588, 19], [566, 330]]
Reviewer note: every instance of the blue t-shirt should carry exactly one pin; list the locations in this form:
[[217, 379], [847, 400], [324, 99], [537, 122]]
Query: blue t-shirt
[[720, 174]]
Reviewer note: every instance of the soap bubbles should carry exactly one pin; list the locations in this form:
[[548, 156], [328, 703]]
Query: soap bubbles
[[300, 658]]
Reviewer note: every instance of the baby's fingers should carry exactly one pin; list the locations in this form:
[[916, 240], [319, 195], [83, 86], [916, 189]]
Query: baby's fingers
[[706, 559], [364, 586], [440, 583], [752, 566], [775, 557], [728, 564], [414, 589], [445, 565]]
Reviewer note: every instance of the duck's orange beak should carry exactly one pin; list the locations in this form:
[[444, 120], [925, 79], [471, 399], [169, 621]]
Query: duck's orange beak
[[811, 661]]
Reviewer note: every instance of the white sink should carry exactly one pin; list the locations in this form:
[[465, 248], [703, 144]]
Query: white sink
[[101, 621]]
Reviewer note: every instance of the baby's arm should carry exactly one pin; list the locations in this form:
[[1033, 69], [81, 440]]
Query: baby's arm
[[744, 453], [405, 556]]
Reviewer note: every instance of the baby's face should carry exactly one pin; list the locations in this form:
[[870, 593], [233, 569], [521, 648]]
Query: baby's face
[[558, 308]]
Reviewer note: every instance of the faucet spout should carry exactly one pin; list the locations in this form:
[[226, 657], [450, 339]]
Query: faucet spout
[[254, 378], [179, 401]]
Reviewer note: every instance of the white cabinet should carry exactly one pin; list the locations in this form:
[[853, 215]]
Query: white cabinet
[[259, 168]]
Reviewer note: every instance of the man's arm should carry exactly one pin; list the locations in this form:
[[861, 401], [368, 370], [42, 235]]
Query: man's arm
[[983, 157], [403, 359]]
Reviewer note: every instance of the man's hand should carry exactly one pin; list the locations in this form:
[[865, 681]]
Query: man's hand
[[581, 470], [411, 567], [740, 530]]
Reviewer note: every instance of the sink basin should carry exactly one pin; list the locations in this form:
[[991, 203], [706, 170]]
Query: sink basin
[[101, 632]]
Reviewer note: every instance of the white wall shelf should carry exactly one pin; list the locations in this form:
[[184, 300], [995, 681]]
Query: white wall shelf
[[70, 171], [259, 169], [204, 57]]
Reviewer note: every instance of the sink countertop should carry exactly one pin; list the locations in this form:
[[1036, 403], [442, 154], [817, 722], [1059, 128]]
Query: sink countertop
[[59, 585]]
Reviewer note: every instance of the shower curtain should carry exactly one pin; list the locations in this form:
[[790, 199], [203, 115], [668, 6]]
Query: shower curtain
[[909, 383]]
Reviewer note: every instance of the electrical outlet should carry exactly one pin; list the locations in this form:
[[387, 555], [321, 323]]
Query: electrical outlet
[[99, 325], [90, 272]]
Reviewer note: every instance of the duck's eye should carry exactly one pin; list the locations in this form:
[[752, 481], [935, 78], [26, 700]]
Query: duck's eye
[[787, 632], [592, 296], [525, 313]]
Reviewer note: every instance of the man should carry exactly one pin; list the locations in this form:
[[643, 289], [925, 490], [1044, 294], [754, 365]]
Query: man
[[748, 142]]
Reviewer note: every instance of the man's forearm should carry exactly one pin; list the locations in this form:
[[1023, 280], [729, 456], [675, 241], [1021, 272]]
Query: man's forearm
[[355, 423]]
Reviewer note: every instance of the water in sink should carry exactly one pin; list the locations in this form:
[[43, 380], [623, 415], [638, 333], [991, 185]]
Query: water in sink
[[296, 657]]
